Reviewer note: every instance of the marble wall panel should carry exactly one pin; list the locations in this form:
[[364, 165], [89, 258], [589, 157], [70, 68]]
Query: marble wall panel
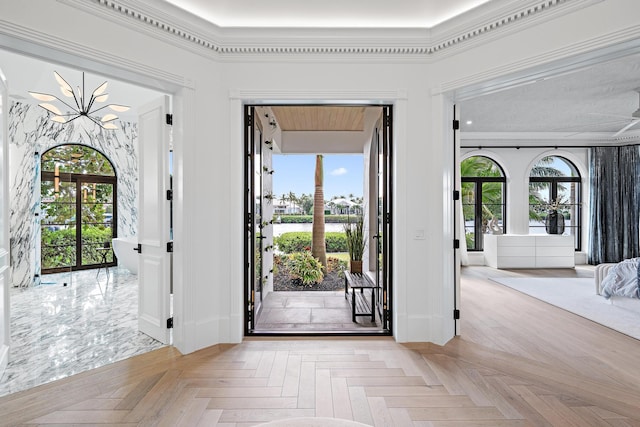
[[31, 133]]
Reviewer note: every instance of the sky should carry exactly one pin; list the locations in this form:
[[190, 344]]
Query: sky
[[343, 174]]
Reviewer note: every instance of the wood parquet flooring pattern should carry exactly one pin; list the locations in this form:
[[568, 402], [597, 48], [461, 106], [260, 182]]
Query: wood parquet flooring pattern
[[511, 370]]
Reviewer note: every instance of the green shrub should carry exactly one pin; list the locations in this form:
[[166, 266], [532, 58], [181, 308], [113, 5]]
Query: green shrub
[[59, 246], [308, 219], [297, 241], [304, 267]]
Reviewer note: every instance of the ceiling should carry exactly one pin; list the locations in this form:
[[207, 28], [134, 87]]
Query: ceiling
[[321, 118], [327, 13], [591, 103]]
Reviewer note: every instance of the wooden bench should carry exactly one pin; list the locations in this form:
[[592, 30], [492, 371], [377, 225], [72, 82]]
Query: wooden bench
[[360, 306]]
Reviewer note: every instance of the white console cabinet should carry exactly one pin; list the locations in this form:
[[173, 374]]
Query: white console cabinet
[[529, 251]]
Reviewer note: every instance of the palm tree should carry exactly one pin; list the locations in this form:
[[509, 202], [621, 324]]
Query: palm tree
[[293, 199], [318, 245], [542, 169], [479, 166]]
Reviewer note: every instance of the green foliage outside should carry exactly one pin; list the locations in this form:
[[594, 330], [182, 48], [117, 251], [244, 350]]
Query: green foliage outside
[[304, 267], [537, 202], [74, 158], [59, 246], [308, 219], [492, 194], [478, 166], [297, 241]]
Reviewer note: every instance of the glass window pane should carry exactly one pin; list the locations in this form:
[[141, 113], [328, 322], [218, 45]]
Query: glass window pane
[[482, 194], [95, 239], [58, 248], [470, 236], [479, 166], [78, 159], [554, 166]]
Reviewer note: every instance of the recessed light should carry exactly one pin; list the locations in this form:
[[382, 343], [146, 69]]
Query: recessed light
[[469, 122]]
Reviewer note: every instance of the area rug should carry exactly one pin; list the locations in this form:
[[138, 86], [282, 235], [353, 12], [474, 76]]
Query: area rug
[[577, 295]]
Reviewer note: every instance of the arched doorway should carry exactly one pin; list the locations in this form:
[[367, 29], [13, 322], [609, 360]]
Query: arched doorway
[[79, 210]]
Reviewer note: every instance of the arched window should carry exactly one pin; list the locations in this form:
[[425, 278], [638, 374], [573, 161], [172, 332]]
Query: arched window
[[554, 185], [78, 204], [483, 198]]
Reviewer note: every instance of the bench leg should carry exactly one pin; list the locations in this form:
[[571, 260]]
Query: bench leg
[[373, 305], [346, 287], [353, 305]]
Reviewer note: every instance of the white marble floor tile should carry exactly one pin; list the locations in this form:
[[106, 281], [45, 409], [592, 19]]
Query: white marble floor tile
[[58, 330]]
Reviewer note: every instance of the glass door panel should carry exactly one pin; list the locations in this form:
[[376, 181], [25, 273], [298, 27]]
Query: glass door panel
[[97, 215], [384, 238], [539, 195], [58, 225], [469, 212], [260, 223]]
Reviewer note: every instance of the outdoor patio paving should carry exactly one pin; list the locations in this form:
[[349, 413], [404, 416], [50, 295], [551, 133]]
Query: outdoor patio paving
[[310, 311]]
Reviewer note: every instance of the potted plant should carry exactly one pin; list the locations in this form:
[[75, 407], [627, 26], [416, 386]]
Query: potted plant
[[355, 244]]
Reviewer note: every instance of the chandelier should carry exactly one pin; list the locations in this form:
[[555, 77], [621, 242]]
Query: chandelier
[[83, 107]]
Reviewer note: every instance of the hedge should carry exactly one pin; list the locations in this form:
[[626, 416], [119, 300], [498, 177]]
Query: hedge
[[308, 219], [59, 246], [300, 240]]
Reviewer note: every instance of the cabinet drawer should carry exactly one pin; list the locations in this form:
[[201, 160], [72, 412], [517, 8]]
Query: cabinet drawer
[[516, 262], [550, 251], [518, 251]]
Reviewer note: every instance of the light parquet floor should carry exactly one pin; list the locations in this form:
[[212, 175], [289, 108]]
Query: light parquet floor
[[519, 362]]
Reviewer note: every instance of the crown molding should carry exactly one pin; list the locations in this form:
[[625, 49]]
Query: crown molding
[[551, 64], [22, 39], [169, 23]]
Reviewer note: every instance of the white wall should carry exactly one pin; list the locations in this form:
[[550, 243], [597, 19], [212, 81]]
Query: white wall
[[209, 89]]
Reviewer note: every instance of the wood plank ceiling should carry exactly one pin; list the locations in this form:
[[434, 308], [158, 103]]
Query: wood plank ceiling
[[320, 118]]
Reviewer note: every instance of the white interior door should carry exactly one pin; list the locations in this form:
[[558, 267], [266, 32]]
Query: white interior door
[[154, 266], [5, 334]]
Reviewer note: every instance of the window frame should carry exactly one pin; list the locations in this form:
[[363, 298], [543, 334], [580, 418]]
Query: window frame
[[77, 179], [478, 181], [553, 182]]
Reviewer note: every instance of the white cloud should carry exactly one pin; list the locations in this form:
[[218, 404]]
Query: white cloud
[[339, 171]]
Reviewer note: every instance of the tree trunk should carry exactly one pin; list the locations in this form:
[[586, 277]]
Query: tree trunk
[[318, 245]]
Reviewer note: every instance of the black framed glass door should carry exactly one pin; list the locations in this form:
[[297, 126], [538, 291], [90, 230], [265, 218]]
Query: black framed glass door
[[384, 231], [253, 218]]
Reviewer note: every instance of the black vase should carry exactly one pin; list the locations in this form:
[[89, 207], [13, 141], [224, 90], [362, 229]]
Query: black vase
[[554, 223]]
